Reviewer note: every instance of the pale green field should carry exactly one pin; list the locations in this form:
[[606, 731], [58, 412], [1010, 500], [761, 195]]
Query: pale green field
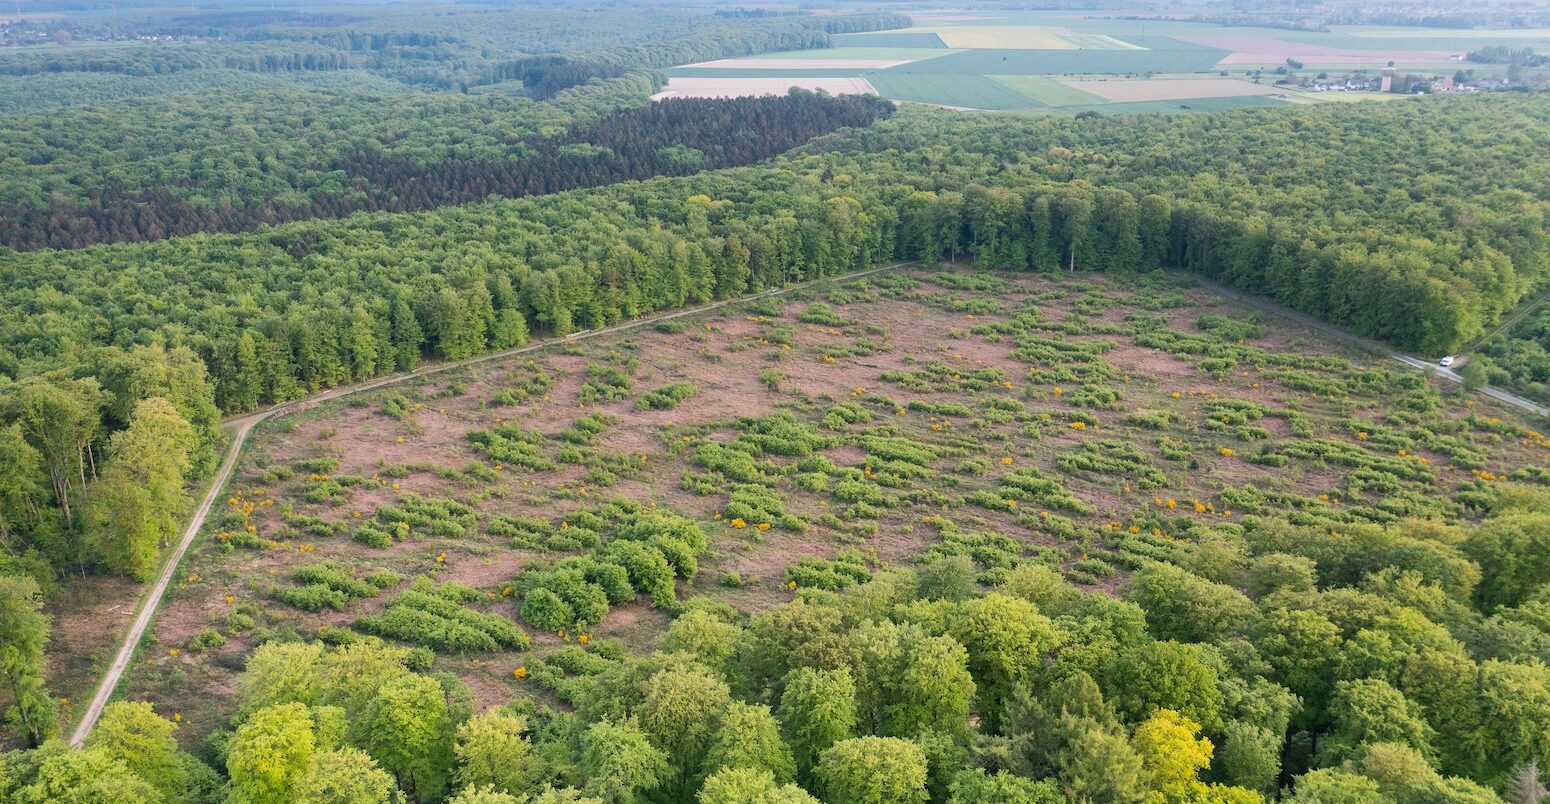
[[1043, 90], [1091, 41], [1382, 32], [1002, 37], [850, 52]]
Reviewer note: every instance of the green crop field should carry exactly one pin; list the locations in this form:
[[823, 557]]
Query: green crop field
[[845, 52], [890, 39], [1163, 55], [1043, 90], [795, 72], [1177, 106], [970, 91]]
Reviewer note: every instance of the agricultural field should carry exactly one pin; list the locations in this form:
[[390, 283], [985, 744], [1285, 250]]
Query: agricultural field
[[957, 60], [721, 87], [582, 495], [1136, 90]]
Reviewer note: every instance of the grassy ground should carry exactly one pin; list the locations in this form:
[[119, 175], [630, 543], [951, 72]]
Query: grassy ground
[[1074, 420], [1178, 106]]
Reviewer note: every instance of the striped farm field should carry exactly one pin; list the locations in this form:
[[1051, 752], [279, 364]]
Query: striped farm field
[[1165, 89], [1043, 90], [905, 39], [1087, 41], [1163, 55], [760, 63], [767, 72], [845, 53], [1011, 37], [959, 91], [690, 87]]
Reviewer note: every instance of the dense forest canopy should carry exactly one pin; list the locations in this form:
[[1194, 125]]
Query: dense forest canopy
[[321, 113], [270, 158]]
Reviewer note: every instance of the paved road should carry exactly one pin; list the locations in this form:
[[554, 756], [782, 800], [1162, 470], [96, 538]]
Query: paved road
[[241, 426], [1371, 345]]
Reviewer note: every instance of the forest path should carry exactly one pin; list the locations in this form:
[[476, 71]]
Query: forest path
[[1333, 331], [241, 426]]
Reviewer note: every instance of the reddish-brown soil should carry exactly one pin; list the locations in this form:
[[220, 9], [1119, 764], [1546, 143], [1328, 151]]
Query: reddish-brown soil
[[722, 354]]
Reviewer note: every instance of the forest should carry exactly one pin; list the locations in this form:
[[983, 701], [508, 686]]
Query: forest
[[317, 114], [411, 161], [1424, 265]]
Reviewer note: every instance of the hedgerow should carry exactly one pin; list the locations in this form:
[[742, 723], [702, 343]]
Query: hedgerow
[[331, 585], [511, 445], [847, 568], [436, 618]]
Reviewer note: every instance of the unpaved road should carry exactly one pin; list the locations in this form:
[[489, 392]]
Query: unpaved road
[[241, 426], [1335, 332]]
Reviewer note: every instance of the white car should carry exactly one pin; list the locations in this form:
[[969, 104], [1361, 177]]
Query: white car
[[1446, 361]]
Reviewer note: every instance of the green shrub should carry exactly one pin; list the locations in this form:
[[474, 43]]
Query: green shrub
[[510, 444], [313, 597], [667, 397], [848, 568], [437, 620], [605, 384], [208, 639], [821, 313]]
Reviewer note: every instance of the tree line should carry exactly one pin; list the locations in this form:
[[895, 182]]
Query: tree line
[[239, 148], [147, 60]]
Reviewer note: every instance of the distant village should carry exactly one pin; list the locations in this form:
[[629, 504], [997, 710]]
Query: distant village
[[1389, 81], [1423, 81]]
